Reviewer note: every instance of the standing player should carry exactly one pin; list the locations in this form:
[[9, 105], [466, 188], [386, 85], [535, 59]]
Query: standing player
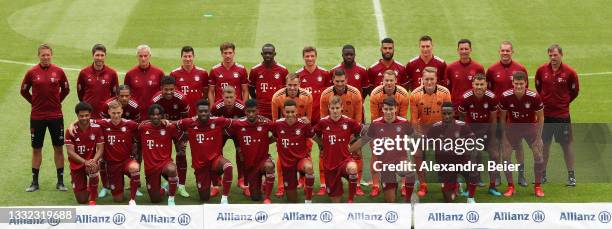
[[130, 107], [176, 107], [557, 83], [356, 75], [335, 131], [375, 72], [84, 147], [205, 134], [425, 110], [522, 117], [292, 135], [49, 88], [143, 79], [251, 134], [314, 79], [265, 79], [352, 107], [97, 82], [190, 79], [389, 126], [227, 73], [156, 144], [479, 110], [499, 77], [414, 68], [389, 89], [459, 74]]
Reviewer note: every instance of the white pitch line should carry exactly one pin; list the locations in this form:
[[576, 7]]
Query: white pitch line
[[32, 64], [380, 22]]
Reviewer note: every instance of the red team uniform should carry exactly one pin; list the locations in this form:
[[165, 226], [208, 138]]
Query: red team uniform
[[356, 76], [415, 67], [375, 73], [266, 82], [175, 108], [478, 111], [499, 76], [336, 136], [291, 143], [521, 116], [459, 78], [156, 147], [130, 111], [144, 83], [314, 82], [557, 88], [84, 142], [220, 77], [206, 143], [95, 87], [220, 110], [191, 84]]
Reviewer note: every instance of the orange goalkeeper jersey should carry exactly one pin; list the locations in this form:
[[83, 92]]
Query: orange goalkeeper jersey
[[352, 105], [303, 100], [401, 95], [426, 109]]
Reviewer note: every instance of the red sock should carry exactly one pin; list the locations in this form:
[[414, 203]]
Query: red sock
[[104, 174], [359, 169], [92, 187], [172, 182], [227, 178], [409, 190], [471, 190], [308, 187], [510, 185], [537, 184], [269, 182], [134, 183], [181, 166], [352, 185], [240, 169], [492, 185]]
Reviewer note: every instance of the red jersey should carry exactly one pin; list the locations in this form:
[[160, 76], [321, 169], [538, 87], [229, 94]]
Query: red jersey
[[192, 84], [175, 108], [143, 83], [557, 88], [414, 70], [119, 139], [375, 73], [459, 78], [84, 142], [521, 110], [478, 110], [314, 82], [266, 82], [97, 86], [130, 110], [499, 76], [379, 129], [234, 76], [253, 139], [205, 139], [455, 130], [220, 110], [291, 141], [336, 136], [356, 76], [156, 144], [49, 88]]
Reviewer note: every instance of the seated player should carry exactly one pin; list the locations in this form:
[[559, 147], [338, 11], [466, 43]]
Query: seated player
[[389, 126], [292, 135], [84, 146], [334, 132], [156, 144], [251, 134], [449, 128], [205, 135]]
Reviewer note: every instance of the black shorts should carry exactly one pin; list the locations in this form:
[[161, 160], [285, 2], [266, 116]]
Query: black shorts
[[561, 128], [39, 127]]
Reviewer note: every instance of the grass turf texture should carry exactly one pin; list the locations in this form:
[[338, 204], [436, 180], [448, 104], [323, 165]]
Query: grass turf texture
[[72, 27]]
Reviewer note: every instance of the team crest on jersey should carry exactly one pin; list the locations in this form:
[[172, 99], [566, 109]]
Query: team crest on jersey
[[276, 76], [319, 78], [527, 105], [470, 77], [197, 78], [512, 105], [485, 105], [243, 129], [418, 70], [162, 132], [220, 75], [456, 134], [261, 76], [175, 106], [181, 79], [103, 81], [78, 140], [357, 76], [282, 132], [298, 132], [236, 75], [398, 129], [259, 128], [150, 82], [472, 106], [212, 125], [123, 129], [52, 80], [344, 126], [92, 137]]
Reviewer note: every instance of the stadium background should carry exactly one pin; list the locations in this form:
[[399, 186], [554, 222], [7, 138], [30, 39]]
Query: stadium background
[[72, 27]]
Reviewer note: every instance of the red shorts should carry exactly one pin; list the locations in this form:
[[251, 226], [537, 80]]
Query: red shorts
[[204, 175], [153, 178], [255, 173], [115, 171], [388, 180], [333, 179], [517, 132], [79, 179], [290, 173]]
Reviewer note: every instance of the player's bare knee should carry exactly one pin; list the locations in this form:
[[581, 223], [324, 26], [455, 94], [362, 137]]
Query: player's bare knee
[[134, 167], [351, 167]]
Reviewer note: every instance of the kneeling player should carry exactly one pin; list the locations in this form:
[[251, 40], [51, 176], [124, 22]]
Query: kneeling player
[[205, 134], [449, 128], [84, 145], [334, 132], [252, 137], [292, 135], [156, 144]]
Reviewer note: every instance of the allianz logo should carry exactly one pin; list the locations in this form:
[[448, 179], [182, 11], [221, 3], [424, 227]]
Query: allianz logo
[[182, 219], [603, 216], [117, 219], [390, 216], [259, 217], [324, 216]]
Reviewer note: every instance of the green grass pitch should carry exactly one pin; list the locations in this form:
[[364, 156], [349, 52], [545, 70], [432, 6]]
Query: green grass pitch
[[72, 27]]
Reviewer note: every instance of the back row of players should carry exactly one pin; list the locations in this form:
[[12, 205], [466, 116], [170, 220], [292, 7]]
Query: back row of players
[[314, 92]]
